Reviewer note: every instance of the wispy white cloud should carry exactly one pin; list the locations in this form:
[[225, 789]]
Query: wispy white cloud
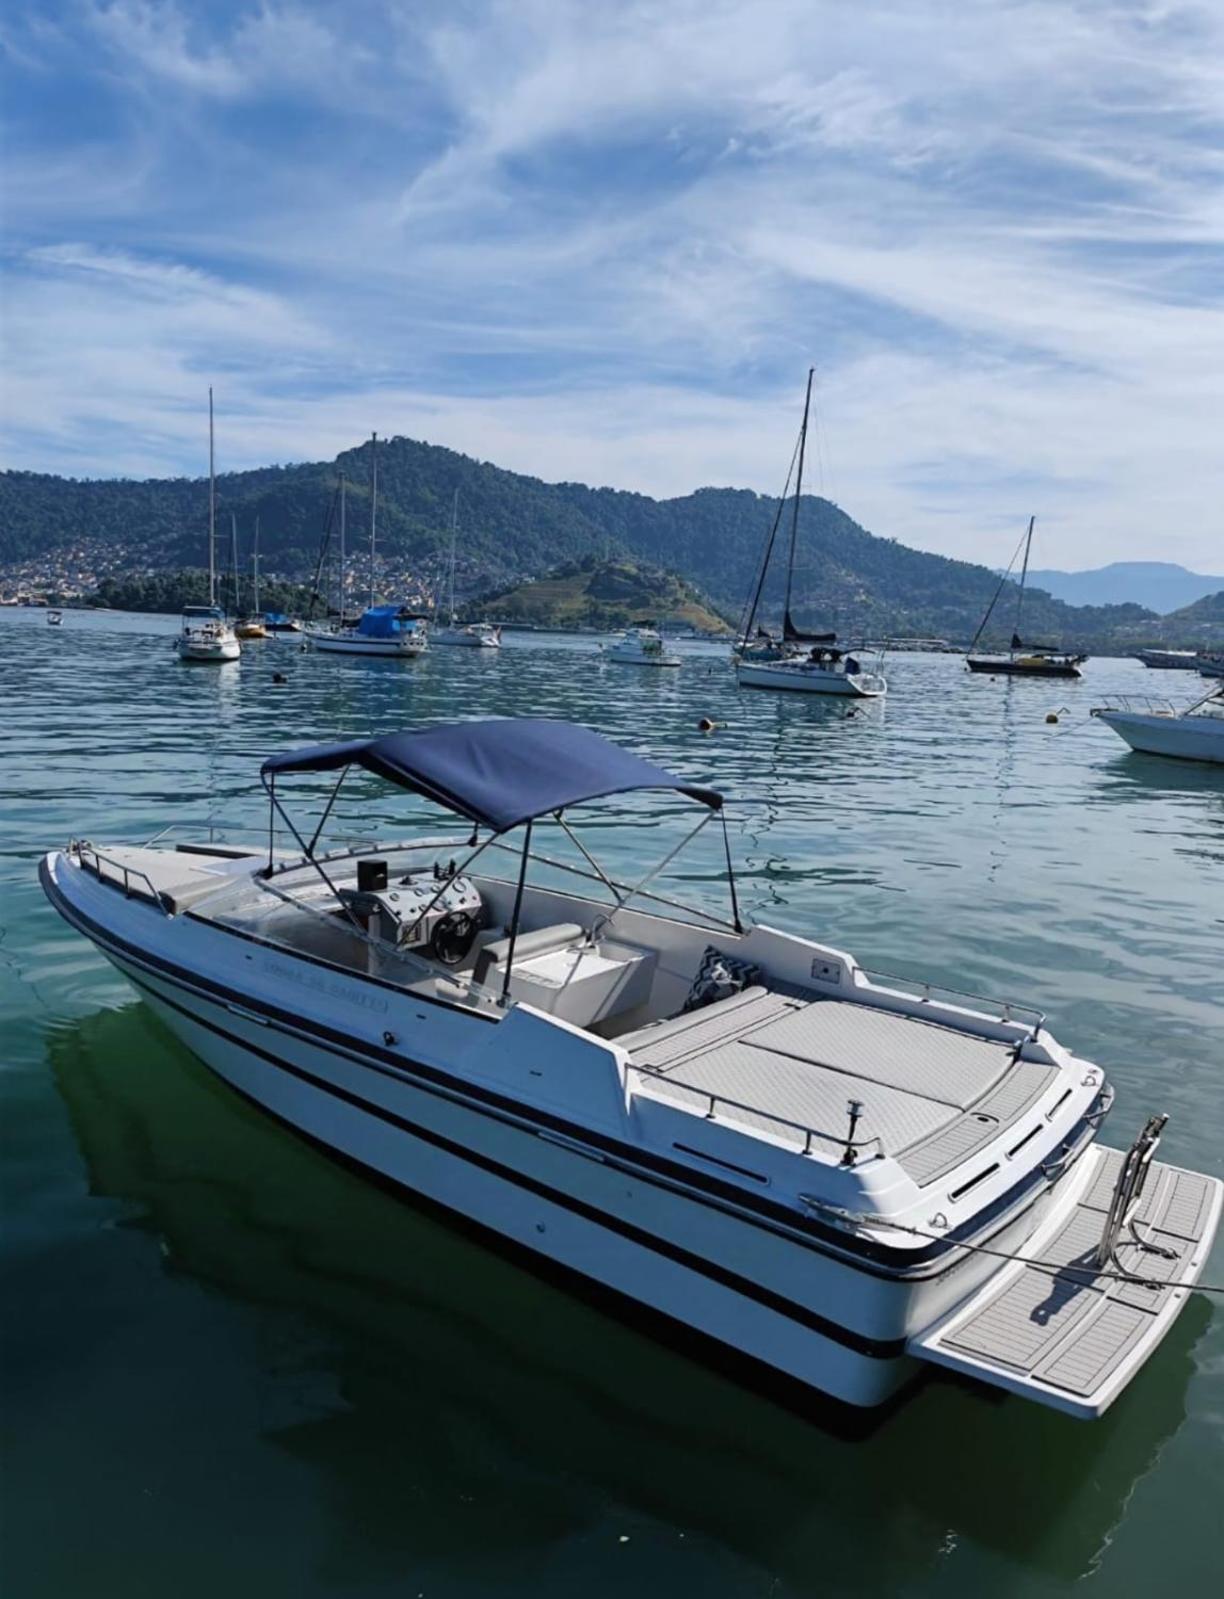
[[604, 242]]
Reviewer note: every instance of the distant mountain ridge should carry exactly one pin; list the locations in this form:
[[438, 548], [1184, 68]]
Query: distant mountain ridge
[[1161, 586], [513, 527]]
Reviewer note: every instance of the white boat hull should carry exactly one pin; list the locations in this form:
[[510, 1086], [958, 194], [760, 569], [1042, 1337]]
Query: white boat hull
[[1188, 738], [214, 650], [425, 1097], [341, 644], [467, 641], [805, 678]]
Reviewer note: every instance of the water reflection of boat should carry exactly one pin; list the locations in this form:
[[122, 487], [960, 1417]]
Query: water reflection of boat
[[378, 1336]]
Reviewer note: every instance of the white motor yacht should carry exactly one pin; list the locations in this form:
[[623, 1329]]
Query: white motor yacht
[[1154, 727], [835, 1174], [640, 646], [205, 635]]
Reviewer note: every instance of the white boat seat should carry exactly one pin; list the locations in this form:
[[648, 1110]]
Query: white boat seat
[[538, 942]]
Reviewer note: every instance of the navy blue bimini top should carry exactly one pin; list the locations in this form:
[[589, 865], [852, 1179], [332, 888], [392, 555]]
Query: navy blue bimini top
[[496, 773]]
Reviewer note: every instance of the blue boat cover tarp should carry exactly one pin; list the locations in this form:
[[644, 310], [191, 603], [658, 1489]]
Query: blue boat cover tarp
[[497, 773], [387, 621]]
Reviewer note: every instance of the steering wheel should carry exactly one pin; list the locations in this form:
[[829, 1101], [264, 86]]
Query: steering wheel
[[452, 937]]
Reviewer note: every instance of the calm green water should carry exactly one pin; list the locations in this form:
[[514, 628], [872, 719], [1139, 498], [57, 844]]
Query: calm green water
[[233, 1368]]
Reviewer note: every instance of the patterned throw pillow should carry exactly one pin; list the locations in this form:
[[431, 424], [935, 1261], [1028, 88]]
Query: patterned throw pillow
[[718, 977]]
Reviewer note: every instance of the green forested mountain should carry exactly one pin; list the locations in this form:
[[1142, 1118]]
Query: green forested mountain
[[513, 527], [603, 594]]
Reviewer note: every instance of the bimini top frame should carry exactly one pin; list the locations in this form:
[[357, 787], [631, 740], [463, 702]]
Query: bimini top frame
[[501, 775]]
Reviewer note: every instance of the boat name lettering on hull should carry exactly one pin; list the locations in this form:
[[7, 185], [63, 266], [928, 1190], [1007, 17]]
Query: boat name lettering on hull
[[322, 983]]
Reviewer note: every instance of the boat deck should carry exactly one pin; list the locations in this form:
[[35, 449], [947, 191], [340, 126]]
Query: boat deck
[[782, 1064]]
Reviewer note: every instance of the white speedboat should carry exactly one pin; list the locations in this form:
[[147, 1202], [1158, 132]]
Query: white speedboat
[[822, 669], [640, 646], [55, 618], [828, 1171], [468, 636], [205, 635], [1195, 733], [391, 630]]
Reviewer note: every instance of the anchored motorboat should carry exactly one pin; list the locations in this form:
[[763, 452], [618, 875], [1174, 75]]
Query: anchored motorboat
[[55, 618], [205, 634], [1211, 665], [640, 646], [809, 663], [1155, 727], [1021, 659], [835, 1173]]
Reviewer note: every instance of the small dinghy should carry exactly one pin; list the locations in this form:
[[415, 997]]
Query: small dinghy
[[835, 1173], [55, 618]]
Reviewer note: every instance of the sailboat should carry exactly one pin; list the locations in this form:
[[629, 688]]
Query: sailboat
[[204, 633], [382, 629], [469, 635], [811, 663], [252, 626], [1022, 660]]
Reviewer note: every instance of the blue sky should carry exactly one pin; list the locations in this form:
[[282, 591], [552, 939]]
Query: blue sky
[[604, 242]]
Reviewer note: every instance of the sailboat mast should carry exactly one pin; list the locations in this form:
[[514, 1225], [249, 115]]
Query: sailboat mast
[[343, 551], [787, 625], [373, 506], [255, 565], [1016, 641], [454, 535], [212, 510], [234, 561]]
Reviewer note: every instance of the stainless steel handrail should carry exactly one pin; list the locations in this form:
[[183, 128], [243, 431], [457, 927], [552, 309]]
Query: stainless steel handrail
[[847, 1145], [82, 848], [1010, 1010]]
